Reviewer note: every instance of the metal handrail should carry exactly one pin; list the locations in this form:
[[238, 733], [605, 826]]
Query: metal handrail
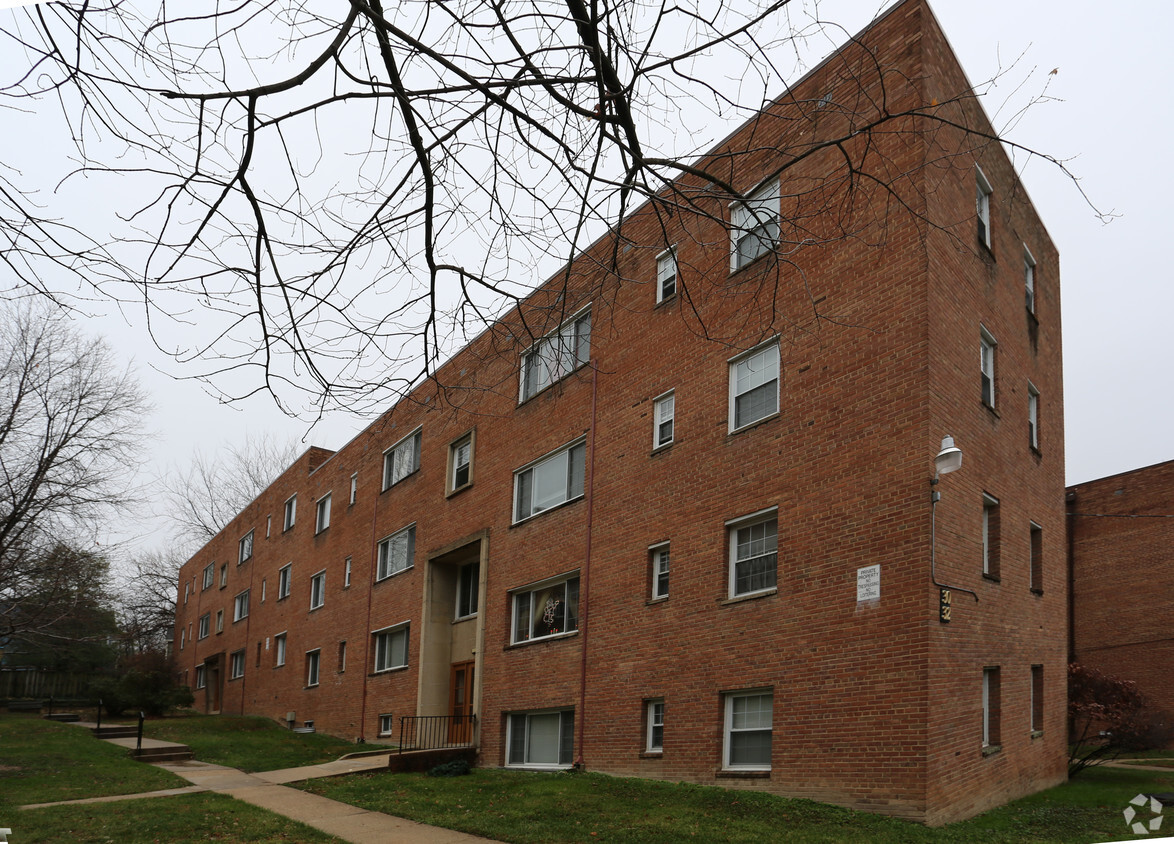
[[435, 732]]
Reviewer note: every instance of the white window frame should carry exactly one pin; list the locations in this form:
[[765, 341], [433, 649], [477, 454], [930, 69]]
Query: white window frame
[[219, 621], [556, 355], [322, 514], [468, 590], [341, 656], [734, 726], [182, 637], [354, 487], [660, 560], [986, 363], [667, 270], [236, 665], [240, 606], [318, 590], [204, 628], [1029, 279], [654, 720], [742, 544], [201, 677], [245, 548], [284, 581], [548, 465], [457, 463], [384, 568], [313, 667], [750, 372], [209, 577], [346, 575], [223, 575], [524, 721], [280, 648], [664, 409], [268, 525], [402, 460], [525, 601], [386, 725], [990, 689], [757, 217], [983, 191], [290, 513], [1032, 416], [187, 591], [390, 648]]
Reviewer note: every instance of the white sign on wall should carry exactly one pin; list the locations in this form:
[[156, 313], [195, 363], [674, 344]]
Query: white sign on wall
[[868, 583]]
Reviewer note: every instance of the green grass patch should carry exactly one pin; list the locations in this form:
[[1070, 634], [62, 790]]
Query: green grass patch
[[44, 761], [185, 818], [248, 743], [536, 808]]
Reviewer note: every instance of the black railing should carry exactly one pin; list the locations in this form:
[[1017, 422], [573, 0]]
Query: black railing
[[435, 732]]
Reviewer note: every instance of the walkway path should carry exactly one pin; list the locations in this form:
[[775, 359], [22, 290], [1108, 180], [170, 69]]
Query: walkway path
[[266, 790]]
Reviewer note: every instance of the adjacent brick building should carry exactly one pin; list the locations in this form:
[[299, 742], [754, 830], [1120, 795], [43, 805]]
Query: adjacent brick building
[[643, 524], [1122, 564]]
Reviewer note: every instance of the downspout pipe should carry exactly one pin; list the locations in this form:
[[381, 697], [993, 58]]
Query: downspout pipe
[[585, 580]]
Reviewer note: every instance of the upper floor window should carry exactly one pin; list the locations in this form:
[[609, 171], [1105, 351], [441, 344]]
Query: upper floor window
[[205, 625], [318, 590], [460, 462], [391, 648], [990, 707], [279, 645], [664, 413], [322, 520], [313, 664], [236, 665], [659, 556], [240, 606], [986, 348], [245, 550], [283, 580], [556, 478], [402, 459], [354, 487], [754, 386], [982, 194], [223, 575], [1037, 698], [754, 224], [990, 536], [1029, 279], [754, 556], [556, 355], [666, 274], [346, 575], [546, 610], [291, 512], [396, 552], [1036, 562], [468, 585], [1032, 416], [209, 576]]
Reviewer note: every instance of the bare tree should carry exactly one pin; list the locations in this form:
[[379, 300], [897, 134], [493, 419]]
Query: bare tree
[[146, 601], [203, 498], [340, 194], [69, 439]]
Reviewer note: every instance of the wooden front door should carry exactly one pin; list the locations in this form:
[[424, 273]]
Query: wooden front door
[[212, 683], [460, 703]]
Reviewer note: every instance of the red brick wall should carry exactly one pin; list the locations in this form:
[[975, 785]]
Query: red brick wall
[[1123, 578], [876, 312]]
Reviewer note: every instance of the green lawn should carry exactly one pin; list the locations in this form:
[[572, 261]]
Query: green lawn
[[534, 808], [186, 818], [248, 743], [44, 761]]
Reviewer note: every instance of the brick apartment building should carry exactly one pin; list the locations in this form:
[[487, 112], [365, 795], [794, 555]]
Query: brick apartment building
[[1122, 568], [672, 518]]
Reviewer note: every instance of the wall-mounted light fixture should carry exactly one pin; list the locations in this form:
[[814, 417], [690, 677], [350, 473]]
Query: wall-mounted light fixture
[[948, 460]]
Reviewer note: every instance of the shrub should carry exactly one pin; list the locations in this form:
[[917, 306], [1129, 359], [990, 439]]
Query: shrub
[[454, 768], [148, 685]]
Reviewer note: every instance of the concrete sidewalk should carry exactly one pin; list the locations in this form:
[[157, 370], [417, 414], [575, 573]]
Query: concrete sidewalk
[[265, 790]]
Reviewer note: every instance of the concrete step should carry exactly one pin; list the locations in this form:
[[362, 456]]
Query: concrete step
[[116, 731], [174, 753], [64, 717]]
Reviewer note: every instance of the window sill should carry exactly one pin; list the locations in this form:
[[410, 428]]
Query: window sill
[[547, 510], [1035, 734], [391, 670], [1037, 592], [470, 617], [1036, 451], [541, 639], [307, 688], [652, 754], [388, 577], [315, 609], [734, 774], [993, 578], [752, 425], [661, 449], [318, 533], [749, 597], [659, 600], [990, 408], [666, 301], [454, 492], [991, 750]]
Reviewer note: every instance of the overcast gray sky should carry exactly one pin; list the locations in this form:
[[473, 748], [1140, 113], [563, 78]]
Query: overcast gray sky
[[1111, 122]]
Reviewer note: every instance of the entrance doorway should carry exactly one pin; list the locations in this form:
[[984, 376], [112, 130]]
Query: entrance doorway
[[460, 703]]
